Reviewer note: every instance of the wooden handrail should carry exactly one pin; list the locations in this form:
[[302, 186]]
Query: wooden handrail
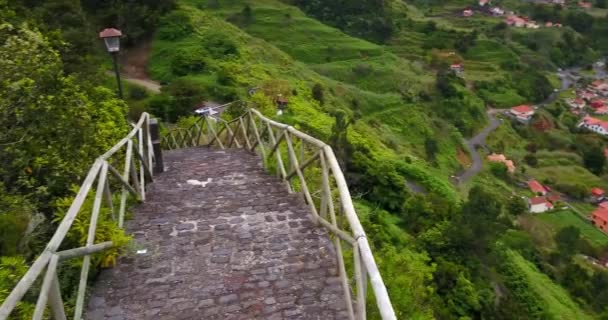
[[269, 147], [138, 153]]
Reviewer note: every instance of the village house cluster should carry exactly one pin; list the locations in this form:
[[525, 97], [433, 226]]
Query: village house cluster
[[525, 22], [593, 98], [484, 7], [545, 199]]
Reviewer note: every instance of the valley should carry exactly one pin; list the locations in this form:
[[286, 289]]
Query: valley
[[473, 135]]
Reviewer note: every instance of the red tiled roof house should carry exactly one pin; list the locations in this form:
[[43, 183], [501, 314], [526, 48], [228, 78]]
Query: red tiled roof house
[[536, 187], [600, 218], [596, 125], [539, 205], [522, 113], [597, 194]]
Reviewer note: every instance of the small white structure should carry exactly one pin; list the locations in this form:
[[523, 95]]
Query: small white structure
[[497, 11], [539, 204]]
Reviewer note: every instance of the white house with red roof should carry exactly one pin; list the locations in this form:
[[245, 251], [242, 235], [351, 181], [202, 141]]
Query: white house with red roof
[[599, 217], [514, 20], [599, 87], [457, 68], [536, 187], [584, 4], [522, 112], [597, 194], [467, 13], [539, 205], [596, 125], [587, 95], [601, 110], [577, 103], [532, 24], [497, 11]]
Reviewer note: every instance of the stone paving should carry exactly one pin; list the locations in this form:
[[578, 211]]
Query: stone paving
[[218, 238]]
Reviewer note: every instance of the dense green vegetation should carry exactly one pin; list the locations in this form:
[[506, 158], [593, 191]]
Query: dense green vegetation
[[373, 79], [57, 116]]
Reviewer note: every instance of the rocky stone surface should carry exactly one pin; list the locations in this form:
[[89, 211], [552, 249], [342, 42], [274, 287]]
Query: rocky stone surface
[[218, 238]]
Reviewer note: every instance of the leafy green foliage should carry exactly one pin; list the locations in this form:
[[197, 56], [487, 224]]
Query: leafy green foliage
[[11, 271], [15, 215], [187, 61], [176, 25], [135, 18], [45, 114], [106, 230], [364, 18]]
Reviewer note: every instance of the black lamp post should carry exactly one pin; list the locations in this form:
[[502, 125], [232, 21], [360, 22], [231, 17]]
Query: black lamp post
[[111, 37]]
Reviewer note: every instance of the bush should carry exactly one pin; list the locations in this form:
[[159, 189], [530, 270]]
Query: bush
[[317, 93], [187, 61], [499, 170], [577, 191], [174, 26], [531, 160], [220, 46], [137, 93]]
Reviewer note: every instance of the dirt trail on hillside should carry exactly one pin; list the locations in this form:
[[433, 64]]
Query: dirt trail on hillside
[[134, 66]]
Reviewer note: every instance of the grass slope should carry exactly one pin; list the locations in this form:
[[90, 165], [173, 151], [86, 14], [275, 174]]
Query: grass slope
[[261, 64], [556, 302], [562, 219]]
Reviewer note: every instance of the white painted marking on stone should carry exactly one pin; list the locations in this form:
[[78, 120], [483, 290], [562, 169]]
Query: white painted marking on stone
[[142, 251], [199, 183]]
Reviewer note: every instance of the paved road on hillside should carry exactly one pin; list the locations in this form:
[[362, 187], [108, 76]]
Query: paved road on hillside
[[567, 81], [478, 140]]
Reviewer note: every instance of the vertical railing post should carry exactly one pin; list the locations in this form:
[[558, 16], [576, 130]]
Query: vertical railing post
[[57, 308], [158, 154], [359, 282], [337, 241]]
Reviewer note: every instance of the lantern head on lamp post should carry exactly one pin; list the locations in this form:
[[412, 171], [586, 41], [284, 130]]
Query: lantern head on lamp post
[[111, 37]]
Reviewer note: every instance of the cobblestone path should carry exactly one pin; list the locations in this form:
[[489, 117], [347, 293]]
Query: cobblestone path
[[218, 238]]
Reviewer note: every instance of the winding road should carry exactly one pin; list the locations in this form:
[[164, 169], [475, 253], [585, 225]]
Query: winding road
[[478, 140], [568, 79]]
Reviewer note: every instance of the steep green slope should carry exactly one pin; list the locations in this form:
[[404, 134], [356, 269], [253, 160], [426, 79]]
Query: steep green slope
[[260, 64], [542, 297]]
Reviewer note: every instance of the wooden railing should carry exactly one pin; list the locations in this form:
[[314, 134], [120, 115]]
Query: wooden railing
[[307, 166], [135, 153]]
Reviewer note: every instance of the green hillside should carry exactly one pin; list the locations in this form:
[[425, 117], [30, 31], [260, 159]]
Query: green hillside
[[405, 94]]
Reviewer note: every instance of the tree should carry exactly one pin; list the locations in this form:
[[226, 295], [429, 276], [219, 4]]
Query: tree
[[567, 240], [317, 93], [431, 148], [247, 13], [339, 139], [185, 94], [53, 127], [477, 228], [517, 206], [499, 170], [594, 159], [531, 159]]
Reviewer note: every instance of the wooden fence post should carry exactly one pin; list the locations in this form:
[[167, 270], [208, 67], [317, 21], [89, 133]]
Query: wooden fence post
[[158, 154]]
